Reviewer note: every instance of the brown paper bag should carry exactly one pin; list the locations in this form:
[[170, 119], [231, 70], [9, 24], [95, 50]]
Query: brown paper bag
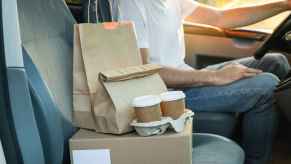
[[98, 48], [123, 85]]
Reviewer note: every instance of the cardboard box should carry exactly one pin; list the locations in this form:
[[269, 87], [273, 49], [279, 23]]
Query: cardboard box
[[170, 148]]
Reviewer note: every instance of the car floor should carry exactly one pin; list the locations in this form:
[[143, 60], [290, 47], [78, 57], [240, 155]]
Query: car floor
[[282, 145], [282, 152]]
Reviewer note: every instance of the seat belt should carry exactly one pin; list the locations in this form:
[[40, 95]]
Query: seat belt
[[97, 11], [104, 11], [114, 9]]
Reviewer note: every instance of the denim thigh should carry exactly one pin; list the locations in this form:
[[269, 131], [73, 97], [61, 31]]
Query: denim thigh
[[239, 96]]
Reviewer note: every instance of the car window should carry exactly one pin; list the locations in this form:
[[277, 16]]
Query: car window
[[269, 24]]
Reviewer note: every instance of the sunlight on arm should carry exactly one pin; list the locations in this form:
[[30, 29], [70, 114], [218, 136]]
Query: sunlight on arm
[[269, 24]]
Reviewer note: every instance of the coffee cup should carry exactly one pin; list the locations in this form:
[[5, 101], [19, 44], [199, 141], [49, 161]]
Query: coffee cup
[[147, 108], [173, 104]]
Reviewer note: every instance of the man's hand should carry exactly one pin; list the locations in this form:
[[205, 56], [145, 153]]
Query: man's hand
[[233, 72]]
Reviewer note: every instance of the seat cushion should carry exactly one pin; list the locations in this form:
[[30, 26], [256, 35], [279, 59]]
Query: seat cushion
[[214, 149], [222, 124]]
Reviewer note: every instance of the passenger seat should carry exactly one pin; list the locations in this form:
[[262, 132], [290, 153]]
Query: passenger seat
[[46, 32]]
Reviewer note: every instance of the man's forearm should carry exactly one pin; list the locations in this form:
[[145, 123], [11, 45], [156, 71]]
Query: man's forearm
[[237, 17], [243, 16], [183, 78]]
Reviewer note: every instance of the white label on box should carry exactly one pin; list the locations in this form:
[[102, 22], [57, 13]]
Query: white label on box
[[95, 156]]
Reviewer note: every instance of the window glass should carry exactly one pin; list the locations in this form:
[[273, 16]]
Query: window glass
[[268, 24]]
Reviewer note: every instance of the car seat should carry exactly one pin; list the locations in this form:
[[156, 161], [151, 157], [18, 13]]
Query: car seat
[[41, 94]]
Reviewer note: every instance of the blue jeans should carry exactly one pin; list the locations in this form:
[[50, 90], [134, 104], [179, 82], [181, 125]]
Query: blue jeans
[[252, 98]]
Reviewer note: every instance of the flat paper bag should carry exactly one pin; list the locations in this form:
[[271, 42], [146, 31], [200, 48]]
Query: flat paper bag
[[133, 82]]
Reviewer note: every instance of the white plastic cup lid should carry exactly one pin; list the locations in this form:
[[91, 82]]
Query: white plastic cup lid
[[146, 101], [172, 95]]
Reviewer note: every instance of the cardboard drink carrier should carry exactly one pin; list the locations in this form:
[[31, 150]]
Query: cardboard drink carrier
[[107, 75]]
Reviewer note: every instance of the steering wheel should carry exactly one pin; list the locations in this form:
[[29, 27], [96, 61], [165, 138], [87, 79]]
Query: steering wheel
[[283, 31]]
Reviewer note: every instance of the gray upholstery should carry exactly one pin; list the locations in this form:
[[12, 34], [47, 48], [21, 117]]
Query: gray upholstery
[[213, 149], [11, 34], [2, 157], [215, 123], [46, 28], [27, 135], [19, 133], [54, 129]]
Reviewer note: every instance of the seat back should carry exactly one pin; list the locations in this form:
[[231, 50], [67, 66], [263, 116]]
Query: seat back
[[19, 133], [54, 129], [46, 28]]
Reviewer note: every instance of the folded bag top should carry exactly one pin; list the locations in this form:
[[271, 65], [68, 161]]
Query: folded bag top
[[129, 73]]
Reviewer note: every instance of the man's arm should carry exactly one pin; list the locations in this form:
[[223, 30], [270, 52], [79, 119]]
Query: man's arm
[[237, 17], [174, 77], [180, 78]]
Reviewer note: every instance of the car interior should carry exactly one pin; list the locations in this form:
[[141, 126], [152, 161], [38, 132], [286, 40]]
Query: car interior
[[36, 62]]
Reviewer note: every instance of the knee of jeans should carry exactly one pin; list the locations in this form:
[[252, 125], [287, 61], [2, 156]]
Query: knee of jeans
[[279, 60], [267, 82], [265, 85], [276, 57]]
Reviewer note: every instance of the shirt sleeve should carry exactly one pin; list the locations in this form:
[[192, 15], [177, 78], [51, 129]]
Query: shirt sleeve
[[187, 7], [133, 11]]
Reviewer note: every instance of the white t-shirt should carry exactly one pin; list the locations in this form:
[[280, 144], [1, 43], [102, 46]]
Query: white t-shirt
[[159, 28]]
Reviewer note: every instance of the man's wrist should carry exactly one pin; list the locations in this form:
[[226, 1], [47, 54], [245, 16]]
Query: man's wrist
[[214, 77], [284, 5], [210, 77]]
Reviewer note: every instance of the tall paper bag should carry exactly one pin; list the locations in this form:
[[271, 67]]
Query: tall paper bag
[[98, 48]]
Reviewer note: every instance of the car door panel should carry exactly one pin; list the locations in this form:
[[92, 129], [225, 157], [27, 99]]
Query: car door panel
[[218, 42]]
